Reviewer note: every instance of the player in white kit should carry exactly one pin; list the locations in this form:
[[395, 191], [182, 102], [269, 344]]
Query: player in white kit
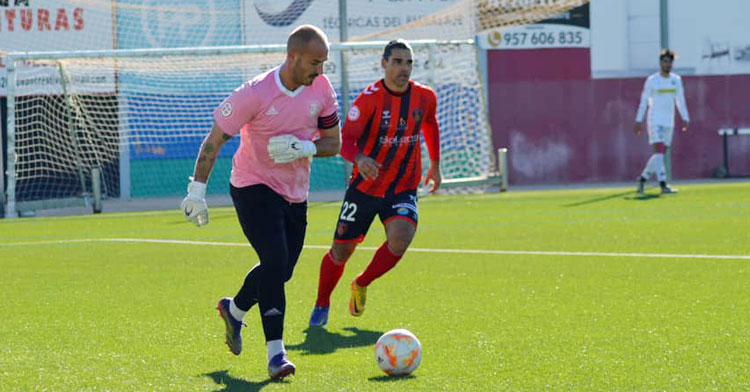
[[284, 116], [660, 93]]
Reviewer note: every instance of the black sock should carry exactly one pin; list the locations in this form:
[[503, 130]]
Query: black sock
[[663, 184]]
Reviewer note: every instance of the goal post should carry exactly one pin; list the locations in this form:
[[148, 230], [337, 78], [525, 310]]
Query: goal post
[[138, 116]]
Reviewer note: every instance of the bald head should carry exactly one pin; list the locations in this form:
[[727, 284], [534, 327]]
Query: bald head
[[306, 52], [304, 35]]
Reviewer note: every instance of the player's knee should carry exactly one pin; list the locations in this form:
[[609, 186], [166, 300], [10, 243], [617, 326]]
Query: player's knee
[[274, 268], [341, 252], [398, 244]]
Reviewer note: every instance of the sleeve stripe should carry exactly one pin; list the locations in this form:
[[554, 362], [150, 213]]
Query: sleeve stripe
[[328, 121]]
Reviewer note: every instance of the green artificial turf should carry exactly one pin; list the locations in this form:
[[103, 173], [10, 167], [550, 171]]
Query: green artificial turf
[[586, 289]]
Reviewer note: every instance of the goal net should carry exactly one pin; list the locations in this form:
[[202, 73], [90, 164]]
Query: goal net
[[135, 117]]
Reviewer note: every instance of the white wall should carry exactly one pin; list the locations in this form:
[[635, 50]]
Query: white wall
[[625, 38], [609, 49], [709, 37], [644, 37]]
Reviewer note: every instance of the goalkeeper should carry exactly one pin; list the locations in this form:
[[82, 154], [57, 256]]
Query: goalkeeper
[[381, 137], [278, 113]]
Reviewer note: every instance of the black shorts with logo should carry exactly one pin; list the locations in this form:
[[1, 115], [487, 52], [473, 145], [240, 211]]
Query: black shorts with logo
[[359, 209]]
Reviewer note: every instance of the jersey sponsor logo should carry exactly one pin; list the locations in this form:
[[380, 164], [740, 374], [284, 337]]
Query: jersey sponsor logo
[[404, 206], [353, 113], [283, 18], [395, 140], [402, 211], [272, 111], [226, 109]]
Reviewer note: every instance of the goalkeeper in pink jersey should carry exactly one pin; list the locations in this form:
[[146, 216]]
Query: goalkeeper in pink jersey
[[277, 114]]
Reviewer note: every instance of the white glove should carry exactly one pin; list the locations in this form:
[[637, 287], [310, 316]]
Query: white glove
[[287, 148], [194, 204]]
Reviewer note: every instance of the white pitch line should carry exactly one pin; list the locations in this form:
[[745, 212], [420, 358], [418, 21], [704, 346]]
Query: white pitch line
[[424, 250]]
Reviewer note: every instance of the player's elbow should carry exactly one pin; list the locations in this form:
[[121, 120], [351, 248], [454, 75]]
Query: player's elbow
[[329, 145], [336, 144]]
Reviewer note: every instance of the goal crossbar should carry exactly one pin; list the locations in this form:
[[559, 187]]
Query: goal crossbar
[[15, 60]]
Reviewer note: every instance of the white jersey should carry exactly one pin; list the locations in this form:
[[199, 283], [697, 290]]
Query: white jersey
[[660, 93]]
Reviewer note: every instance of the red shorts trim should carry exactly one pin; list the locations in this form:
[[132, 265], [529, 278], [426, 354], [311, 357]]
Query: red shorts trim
[[406, 218], [357, 240]]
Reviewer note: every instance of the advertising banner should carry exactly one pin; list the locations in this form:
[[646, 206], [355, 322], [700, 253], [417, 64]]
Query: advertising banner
[[47, 25], [569, 29], [270, 21]]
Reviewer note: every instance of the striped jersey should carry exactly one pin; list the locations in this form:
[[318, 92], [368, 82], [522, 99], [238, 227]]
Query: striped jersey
[[385, 126], [660, 94]]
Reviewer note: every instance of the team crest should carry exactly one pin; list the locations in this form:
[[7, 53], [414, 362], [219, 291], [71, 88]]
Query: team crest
[[341, 228], [417, 114], [314, 109]]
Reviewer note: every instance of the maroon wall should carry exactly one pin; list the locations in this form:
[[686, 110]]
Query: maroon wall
[[561, 126]]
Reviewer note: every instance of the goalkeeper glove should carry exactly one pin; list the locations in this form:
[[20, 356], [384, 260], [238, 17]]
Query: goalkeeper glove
[[194, 204], [287, 148]]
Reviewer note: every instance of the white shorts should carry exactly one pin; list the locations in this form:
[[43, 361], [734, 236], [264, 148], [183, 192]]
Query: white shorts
[[660, 134]]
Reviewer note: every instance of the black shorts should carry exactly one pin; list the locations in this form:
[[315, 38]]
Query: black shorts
[[275, 227], [359, 209]]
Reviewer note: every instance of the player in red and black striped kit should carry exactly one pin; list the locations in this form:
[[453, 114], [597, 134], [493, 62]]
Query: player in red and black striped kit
[[381, 136]]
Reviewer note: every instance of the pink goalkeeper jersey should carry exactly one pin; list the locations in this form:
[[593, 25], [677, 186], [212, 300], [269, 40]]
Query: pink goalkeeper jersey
[[262, 108]]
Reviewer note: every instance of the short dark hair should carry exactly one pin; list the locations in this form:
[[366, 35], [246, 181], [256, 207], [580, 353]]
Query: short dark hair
[[667, 53], [302, 35], [395, 44]]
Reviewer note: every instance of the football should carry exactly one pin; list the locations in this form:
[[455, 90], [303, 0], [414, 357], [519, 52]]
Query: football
[[398, 352]]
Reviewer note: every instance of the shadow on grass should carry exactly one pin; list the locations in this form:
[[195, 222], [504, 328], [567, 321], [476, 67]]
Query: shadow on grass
[[598, 199], [647, 196], [387, 378], [321, 341], [232, 384]]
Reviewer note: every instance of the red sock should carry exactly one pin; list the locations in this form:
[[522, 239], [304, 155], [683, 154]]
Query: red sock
[[330, 273], [381, 263]]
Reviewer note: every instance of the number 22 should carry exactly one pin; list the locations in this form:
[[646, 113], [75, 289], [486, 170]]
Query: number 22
[[347, 211]]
